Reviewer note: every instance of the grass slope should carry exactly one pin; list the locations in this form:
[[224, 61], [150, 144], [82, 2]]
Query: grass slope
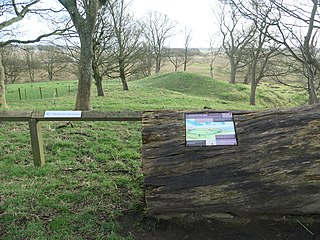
[[93, 170], [202, 86]]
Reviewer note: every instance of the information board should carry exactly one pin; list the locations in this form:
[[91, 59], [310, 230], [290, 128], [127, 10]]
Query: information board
[[208, 129]]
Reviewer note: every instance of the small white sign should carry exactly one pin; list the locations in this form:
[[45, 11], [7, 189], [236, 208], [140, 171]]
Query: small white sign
[[62, 114]]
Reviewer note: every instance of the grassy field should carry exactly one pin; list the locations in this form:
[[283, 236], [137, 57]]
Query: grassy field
[[163, 91], [92, 178]]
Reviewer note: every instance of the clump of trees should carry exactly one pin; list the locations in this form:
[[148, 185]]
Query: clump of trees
[[157, 29], [117, 44], [26, 63], [269, 39]]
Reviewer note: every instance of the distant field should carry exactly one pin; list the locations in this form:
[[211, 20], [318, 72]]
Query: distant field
[[93, 179]]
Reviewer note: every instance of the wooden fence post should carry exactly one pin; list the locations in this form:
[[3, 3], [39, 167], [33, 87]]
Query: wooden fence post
[[40, 90], [19, 91], [36, 142]]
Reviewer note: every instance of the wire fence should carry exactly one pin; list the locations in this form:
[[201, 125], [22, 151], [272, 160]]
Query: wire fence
[[40, 92]]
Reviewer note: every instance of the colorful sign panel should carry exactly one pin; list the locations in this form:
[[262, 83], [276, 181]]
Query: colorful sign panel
[[210, 129]]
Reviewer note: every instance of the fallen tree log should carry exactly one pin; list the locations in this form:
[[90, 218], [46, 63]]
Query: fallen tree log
[[274, 170]]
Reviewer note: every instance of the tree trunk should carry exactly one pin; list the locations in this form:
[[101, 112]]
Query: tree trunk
[[31, 75], [248, 75], [3, 102], [125, 86], [98, 80], [158, 64], [185, 60], [123, 77], [274, 170], [211, 71], [149, 64], [233, 71], [253, 90], [99, 87], [83, 101], [254, 83], [246, 80], [312, 94], [50, 73]]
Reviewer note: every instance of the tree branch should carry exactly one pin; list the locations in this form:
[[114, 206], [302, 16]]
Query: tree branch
[[56, 32], [19, 15]]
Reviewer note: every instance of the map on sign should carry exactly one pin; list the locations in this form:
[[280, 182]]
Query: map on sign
[[207, 129]]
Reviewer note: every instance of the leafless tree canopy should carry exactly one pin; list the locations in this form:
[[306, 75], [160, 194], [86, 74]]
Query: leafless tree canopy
[[294, 25], [14, 11], [158, 29]]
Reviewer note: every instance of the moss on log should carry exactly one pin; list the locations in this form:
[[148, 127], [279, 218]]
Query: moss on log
[[274, 170]]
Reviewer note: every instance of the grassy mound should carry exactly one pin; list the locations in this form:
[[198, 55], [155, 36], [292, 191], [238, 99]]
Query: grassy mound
[[203, 86], [188, 83]]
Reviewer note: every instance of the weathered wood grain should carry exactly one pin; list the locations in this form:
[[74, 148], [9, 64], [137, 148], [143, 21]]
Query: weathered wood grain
[[36, 142], [274, 170], [15, 116]]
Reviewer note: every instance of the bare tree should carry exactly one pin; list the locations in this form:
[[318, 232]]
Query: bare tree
[[146, 59], [15, 12], [126, 39], [261, 51], [263, 62], [214, 51], [235, 35], [102, 43], [31, 61], [176, 57], [53, 59], [158, 29], [12, 62], [83, 14], [187, 41], [294, 25]]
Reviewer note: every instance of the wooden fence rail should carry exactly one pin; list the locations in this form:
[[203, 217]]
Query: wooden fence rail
[[35, 117]]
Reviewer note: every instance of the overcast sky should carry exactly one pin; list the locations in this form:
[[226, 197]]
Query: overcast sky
[[197, 15]]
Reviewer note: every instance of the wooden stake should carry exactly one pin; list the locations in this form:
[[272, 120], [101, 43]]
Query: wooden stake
[[40, 90], [36, 142], [19, 90], [57, 94]]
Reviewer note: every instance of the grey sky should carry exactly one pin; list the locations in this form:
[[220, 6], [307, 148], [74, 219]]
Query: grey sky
[[197, 15]]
